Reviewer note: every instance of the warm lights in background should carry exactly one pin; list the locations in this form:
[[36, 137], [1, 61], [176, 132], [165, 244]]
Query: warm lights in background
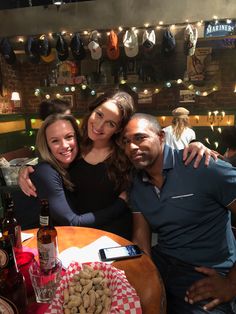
[[15, 97], [154, 89]]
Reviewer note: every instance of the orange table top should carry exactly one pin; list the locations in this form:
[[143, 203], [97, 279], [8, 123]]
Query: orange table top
[[140, 272]]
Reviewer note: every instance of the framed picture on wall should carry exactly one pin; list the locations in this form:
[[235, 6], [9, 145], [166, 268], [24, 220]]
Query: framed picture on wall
[[68, 98], [186, 96]]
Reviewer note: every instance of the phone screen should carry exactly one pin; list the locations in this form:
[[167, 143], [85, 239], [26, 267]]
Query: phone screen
[[120, 252]]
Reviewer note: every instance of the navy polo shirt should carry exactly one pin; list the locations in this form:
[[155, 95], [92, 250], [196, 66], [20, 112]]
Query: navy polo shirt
[[189, 214]]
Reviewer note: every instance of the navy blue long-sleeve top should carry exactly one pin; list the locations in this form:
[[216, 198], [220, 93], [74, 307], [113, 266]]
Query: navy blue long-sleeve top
[[68, 209]]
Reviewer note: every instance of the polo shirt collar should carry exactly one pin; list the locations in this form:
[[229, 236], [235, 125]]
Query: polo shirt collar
[[168, 158], [168, 162]]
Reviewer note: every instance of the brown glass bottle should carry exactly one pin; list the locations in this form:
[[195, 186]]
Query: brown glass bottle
[[10, 225], [46, 239], [13, 297]]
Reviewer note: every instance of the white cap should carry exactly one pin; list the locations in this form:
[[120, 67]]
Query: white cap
[[95, 49], [130, 41], [149, 39]]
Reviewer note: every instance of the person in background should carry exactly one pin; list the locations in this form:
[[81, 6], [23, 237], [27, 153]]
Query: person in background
[[228, 140], [179, 134], [189, 209], [56, 105]]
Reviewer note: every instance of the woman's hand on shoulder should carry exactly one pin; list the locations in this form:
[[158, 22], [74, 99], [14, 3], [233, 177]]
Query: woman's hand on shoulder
[[24, 181], [198, 150]]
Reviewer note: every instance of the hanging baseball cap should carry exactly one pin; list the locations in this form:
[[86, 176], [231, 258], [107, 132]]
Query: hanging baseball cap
[[77, 47], [44, 46], [62, 48], [31, 49], [113, 50], [7, 51], [190, 39], [51, 57], [168, 42], [130, 41], [94, 47], [149, 39]]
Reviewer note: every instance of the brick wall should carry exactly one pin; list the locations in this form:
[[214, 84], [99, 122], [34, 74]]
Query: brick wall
[[25, 76]]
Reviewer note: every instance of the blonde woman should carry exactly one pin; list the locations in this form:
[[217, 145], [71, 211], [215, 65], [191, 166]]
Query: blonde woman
[[179, 134]]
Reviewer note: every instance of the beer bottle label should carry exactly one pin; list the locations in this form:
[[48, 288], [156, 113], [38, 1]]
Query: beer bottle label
[[47, 255], [3, 259], [18, 242], [44, 220], [7, 307]]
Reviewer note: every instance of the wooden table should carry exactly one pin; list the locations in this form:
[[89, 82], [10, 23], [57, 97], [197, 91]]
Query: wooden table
[[140, 272]]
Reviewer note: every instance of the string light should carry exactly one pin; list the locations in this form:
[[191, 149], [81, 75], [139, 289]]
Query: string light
[[154, 89]]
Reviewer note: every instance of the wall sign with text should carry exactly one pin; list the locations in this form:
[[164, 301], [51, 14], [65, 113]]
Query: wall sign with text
[[219, 28]]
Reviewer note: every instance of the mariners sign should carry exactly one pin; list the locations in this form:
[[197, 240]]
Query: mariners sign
[[219, 28]]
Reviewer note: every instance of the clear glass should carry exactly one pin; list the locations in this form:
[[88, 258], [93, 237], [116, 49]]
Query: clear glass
[[45, 283]]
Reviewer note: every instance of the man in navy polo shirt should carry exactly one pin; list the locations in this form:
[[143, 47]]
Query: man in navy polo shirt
[[189, 209]]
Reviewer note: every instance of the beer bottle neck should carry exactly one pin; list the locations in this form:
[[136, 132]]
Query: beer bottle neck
[[44, 218]]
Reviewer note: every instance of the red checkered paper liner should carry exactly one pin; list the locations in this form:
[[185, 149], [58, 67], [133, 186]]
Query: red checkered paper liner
[[124, 297]]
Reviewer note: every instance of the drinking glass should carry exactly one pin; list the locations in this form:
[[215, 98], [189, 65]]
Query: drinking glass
[[45, 283]]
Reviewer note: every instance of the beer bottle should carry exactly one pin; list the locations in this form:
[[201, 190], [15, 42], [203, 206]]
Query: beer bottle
[[46, 239], [13, 297], [9, 224]]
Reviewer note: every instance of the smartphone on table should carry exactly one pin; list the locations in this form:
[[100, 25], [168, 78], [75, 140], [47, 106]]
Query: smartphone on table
[[119, 252]]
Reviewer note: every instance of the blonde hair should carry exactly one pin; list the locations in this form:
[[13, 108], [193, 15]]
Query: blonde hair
[[44, 150], [179, 124]]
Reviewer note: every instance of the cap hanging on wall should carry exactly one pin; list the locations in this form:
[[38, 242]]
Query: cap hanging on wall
[[31, 49], [44, 46], [77, 47], [168, 43], [130, 41], [94, 47], [62, 48], [7, 51], [149, 39], [190, 40], [113, 50]]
